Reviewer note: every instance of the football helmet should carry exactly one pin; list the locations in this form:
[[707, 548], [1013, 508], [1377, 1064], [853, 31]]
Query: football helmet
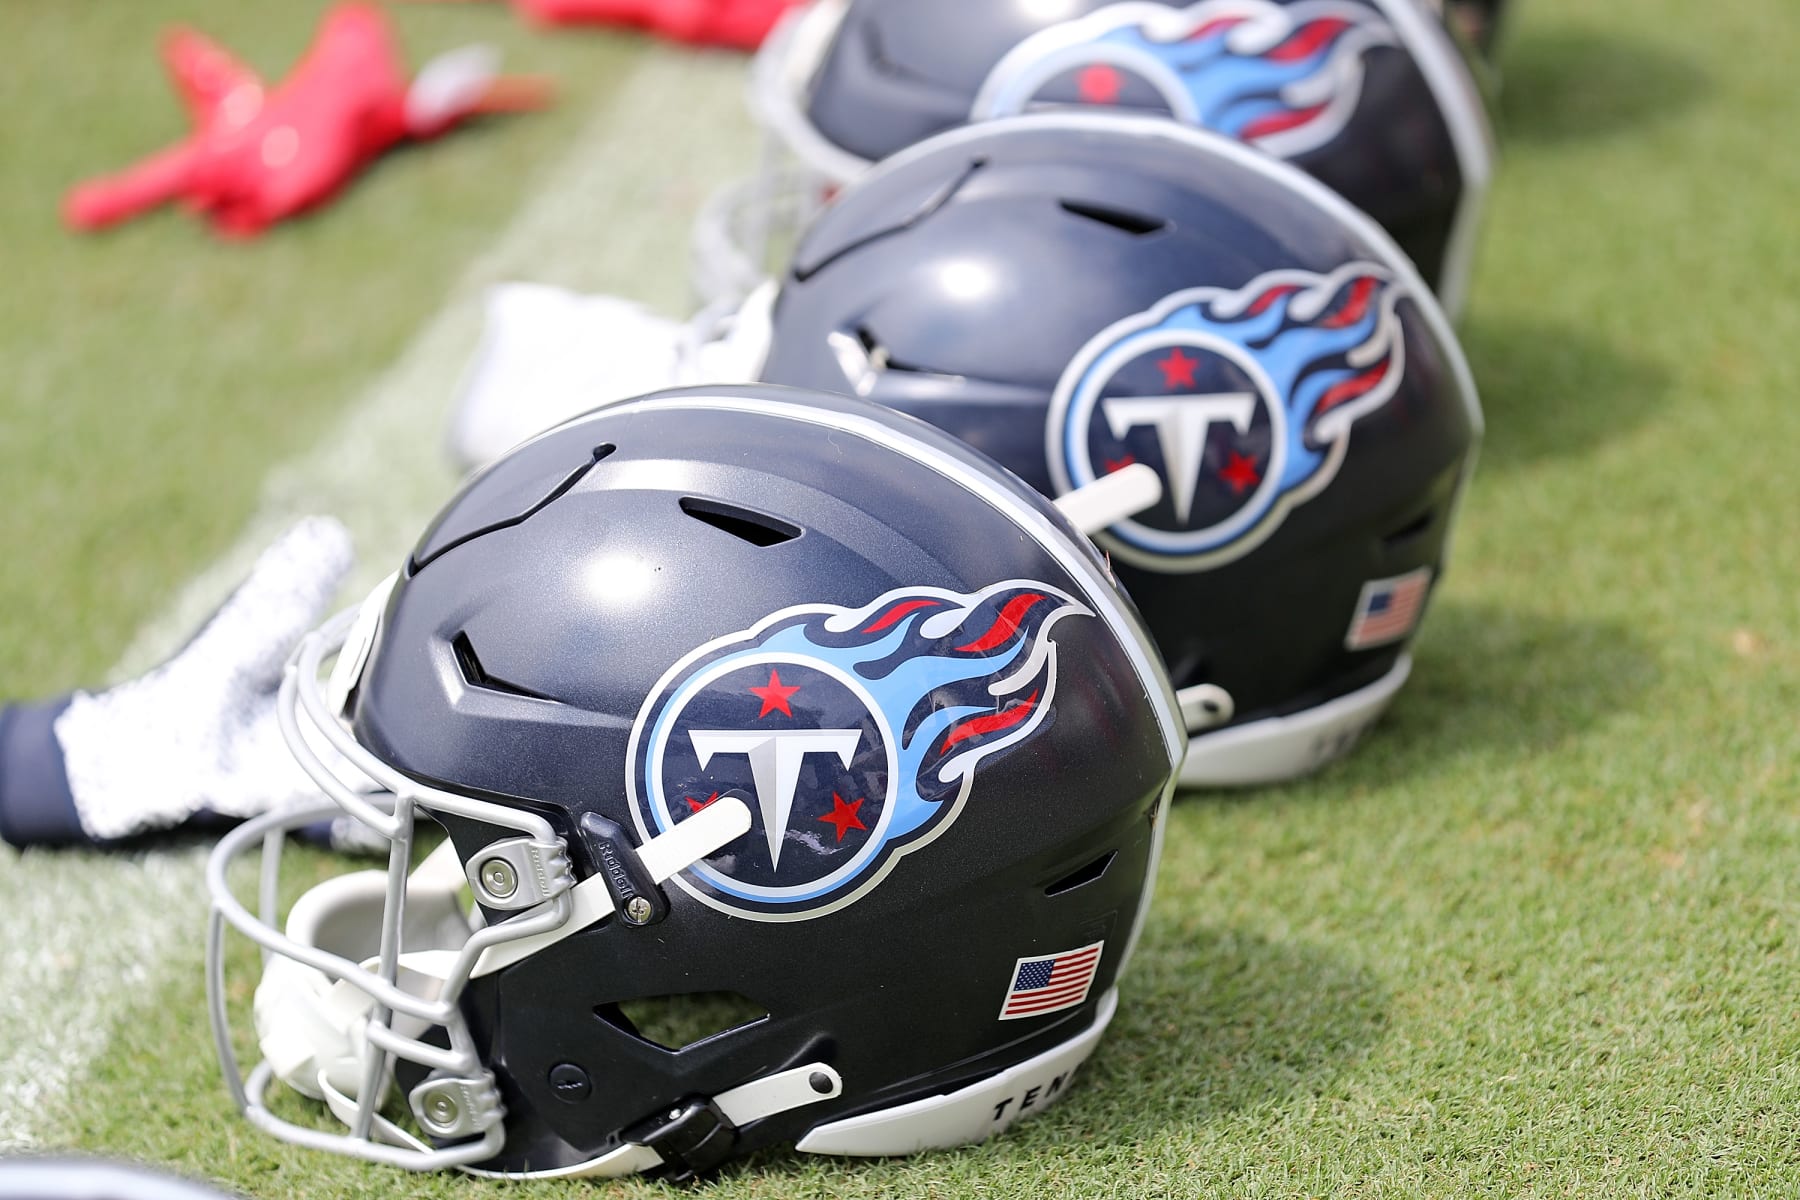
[[1074, 292], [1372, 97], [786, 711]]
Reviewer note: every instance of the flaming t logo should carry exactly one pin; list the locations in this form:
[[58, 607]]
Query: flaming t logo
[[1242, 399], [1283, 77], [855, 735], [775, 762]]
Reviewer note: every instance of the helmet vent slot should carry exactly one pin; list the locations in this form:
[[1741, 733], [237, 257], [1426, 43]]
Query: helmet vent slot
[[476, 676], [759, 529], [1135, 224], [1410, 530], [435, 549], [805, 266], [677, 1022], [1082, 875]]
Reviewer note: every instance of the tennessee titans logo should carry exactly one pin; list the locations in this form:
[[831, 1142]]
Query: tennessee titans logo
[[1283, 77], [853, 736], [1243, 401]]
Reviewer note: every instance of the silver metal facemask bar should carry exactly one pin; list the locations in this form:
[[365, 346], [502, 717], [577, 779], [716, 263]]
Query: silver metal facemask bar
[[745, 225], [460, 1098], [780, 77]]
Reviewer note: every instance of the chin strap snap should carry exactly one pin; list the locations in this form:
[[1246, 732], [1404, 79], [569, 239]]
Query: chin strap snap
[[694, 1137], [691, 1139]]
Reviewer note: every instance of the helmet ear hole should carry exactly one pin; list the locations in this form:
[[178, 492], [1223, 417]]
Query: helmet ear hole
[[1086, 873], [1410, 530], [677, 1022]]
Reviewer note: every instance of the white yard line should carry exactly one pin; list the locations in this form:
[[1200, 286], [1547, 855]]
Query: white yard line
[[89, 937]]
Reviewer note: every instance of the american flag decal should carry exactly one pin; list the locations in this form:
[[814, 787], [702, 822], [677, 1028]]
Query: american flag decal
[[1051, 983], [1388, 609]]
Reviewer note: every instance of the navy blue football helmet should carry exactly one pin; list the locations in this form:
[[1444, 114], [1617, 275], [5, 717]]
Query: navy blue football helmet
[[1077, 292], [785, 716], [1372, 97]]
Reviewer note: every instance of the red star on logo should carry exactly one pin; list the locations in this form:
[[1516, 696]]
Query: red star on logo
[[1240, 473], [1119, 464], [1177, 369], [696, 805], [1098, 84], [843, 816], [774, 696]]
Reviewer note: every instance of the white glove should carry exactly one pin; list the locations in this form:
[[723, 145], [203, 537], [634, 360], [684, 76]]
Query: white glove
[[549, 354], [197, 735]]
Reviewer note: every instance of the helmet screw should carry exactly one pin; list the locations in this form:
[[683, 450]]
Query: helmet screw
[[819, 1082], [441, 1109], [499, 878], [638, 910]]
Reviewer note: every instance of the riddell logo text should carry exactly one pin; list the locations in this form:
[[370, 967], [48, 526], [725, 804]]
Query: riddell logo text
[[1043, 1093]]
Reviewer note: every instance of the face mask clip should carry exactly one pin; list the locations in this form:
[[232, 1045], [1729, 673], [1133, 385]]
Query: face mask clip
[[635, 896]]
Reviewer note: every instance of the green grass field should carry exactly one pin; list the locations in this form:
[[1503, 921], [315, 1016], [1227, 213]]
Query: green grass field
[[1533, 939]]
